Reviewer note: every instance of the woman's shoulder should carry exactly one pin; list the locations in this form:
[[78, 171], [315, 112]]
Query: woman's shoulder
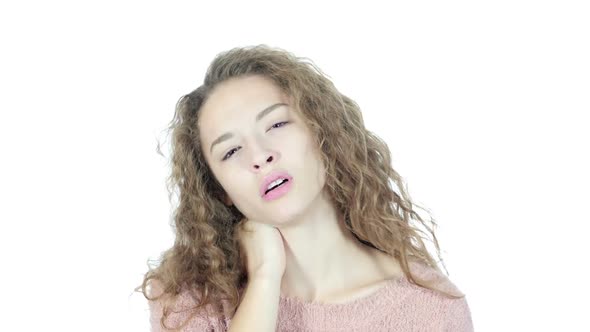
[[457, 313], [434, 276], [181, 308]]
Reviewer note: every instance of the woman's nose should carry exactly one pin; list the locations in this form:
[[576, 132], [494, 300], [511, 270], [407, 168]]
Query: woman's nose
[[266, 160], [261, 154]]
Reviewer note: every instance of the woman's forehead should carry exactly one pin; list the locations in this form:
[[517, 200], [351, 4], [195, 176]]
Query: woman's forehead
[[246, 96]]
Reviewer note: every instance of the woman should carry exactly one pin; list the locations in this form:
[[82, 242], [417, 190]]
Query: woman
[[290, 215]]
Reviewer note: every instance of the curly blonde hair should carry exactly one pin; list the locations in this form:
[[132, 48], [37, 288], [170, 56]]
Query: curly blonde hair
[[205, 258]]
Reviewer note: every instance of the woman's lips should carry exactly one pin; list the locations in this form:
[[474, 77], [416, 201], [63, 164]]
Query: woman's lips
[[272, 176], [279, 191]]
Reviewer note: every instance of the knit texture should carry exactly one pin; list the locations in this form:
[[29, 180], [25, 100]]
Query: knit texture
[[397, 306]]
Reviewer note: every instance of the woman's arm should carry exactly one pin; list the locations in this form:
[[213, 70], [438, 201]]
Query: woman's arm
[[259, 308]]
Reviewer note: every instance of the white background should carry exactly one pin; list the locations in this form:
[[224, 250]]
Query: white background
[[484, 107]]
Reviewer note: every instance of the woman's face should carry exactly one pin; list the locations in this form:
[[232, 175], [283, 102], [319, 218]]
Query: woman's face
[[259, 143]]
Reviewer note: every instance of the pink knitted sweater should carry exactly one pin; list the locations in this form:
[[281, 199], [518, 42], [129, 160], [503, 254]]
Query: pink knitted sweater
[[397, 306]]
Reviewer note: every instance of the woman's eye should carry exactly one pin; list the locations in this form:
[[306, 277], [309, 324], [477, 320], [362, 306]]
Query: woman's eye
[[283, 123], [230, 152]]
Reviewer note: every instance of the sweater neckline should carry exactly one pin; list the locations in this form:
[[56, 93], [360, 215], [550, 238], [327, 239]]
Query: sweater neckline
[[371, 297]]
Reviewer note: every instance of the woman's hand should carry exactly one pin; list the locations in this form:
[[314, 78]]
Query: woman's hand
[[263, 247]]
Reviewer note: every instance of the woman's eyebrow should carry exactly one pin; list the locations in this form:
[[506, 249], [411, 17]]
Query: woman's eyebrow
[[259, 116]]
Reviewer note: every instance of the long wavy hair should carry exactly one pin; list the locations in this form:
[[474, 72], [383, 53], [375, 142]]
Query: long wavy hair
[[206, 258]]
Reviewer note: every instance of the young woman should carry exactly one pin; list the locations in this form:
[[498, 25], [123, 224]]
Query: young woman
[[290, 214]]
